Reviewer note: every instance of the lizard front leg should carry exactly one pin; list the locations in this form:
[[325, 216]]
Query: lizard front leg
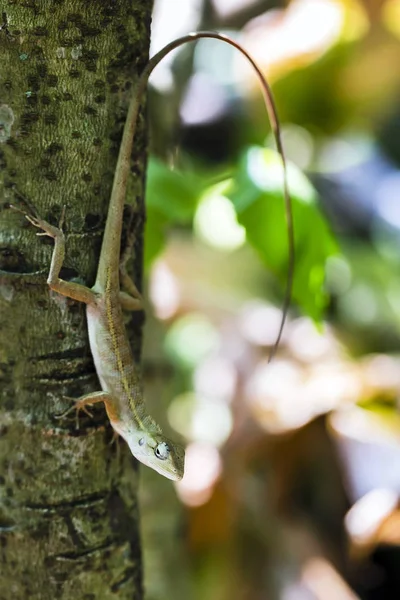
[[70, 289], [81, 403]]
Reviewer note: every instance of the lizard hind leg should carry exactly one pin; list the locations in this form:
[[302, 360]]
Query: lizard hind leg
[[129, 302], [81, 404], [130, 297]]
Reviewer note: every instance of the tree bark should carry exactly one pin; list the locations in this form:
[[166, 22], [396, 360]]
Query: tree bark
[[68, 508]]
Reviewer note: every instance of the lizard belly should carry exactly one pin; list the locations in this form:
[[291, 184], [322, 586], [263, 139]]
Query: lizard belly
[[114, 367], [101, 347]]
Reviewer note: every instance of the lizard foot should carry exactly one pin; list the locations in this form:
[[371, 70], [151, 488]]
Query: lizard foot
[[47, 229], [77, 406]]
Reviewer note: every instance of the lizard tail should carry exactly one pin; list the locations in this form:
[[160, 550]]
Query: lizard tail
[[130, 127]]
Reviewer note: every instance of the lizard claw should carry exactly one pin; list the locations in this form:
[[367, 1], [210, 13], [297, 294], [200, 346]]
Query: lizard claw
[[48, 229], [77, 407], [31, 219]]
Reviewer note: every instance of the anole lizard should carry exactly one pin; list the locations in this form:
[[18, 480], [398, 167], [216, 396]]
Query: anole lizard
[[115, 366]]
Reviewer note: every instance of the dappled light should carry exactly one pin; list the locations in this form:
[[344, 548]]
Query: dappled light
[[215, 221], [216, 377], [367, 514], [203, 467], [324, 582], [369, 446], [292, 482], [257, 322], [290, 38], [299, 145], [191, 338], [204, 101], [200, 418], [163, 291]]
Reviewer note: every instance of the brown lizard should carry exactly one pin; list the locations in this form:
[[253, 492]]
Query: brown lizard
[[115, 366]]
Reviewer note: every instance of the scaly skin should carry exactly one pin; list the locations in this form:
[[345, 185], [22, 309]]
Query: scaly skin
[[115, 366], [118, 376]]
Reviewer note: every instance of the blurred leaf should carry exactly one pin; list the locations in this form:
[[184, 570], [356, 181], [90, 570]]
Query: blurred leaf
[[154, 235], [171, 197], [369, 309], [190, 339], [257, 196], [326, 108], [172, 193]]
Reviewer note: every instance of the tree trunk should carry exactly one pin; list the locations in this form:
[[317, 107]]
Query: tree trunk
[[68, 509]]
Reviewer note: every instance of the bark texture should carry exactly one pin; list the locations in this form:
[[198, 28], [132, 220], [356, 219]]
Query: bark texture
[[68, 511]]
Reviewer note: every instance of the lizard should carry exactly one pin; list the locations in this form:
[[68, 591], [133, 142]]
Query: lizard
[[121, 390]]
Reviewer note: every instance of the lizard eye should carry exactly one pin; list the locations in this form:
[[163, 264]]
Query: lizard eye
[[162, 451]]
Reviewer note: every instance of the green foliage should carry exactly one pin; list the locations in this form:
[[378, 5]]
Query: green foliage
[[326, 109], [367, 305], [256, 194], [172, 193], [171, 197]]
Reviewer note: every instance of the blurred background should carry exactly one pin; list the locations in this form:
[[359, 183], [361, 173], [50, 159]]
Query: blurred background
[[292, 480]]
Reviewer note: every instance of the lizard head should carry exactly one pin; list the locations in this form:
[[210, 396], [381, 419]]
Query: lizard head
[[159, 453]]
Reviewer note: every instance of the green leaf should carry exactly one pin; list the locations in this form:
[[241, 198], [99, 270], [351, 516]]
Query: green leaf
[[257, 195], [171, 197], [154, 235], [172, 193]]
